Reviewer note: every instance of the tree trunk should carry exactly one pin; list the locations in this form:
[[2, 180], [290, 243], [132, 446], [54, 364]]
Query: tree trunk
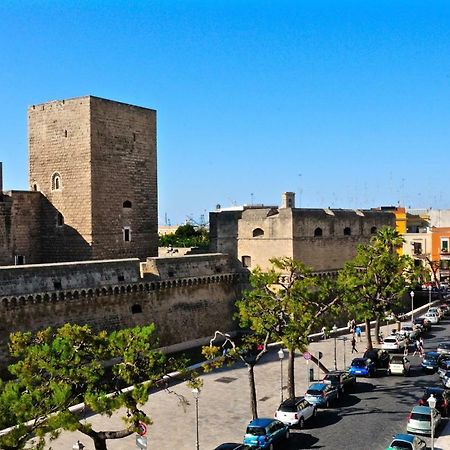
[[291, 374], [377, 331], [99, 443], [368, 335], [251, 381]]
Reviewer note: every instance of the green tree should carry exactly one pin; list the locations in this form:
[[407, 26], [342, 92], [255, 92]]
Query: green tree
[[56, 369], [186, 236], [289, 303], [375, 281]]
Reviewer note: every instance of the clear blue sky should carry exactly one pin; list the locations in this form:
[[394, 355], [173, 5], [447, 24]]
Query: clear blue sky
[[347, 102]]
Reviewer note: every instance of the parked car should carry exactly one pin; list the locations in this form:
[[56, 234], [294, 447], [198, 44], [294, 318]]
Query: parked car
[[407, 442], [442, 399], [446, 379], [437, 310], [265, 433], [443, 366], [321, 394], [444, 348], [432, 317], [419, 420], [431, 361], [425, 324], [379, 357], [363, 367], [399, 365], [410, 331], [394, 343], [234, 446], [295, 412], [343, 381]]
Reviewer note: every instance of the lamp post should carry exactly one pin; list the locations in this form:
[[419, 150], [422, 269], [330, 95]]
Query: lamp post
[[334, 334], [196, 394], [281, 357], [429, 293], [412, 306], [344, 339], [432, 404]]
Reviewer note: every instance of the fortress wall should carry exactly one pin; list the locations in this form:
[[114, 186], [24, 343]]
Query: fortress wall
[[182, 309]]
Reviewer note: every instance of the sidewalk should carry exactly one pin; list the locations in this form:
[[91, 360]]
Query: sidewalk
[[224, 405], [443, 441]]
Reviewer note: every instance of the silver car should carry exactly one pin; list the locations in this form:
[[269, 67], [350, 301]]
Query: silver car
[[444, 348], [419, 420]]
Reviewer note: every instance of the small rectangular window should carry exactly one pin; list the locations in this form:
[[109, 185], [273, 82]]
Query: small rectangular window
[[444, 245], [19, 260], [127, 234]]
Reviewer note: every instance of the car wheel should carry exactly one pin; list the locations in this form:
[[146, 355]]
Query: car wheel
[[301, 423]]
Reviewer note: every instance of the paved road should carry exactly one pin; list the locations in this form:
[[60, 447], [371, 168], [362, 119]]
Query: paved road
[[365, 420]]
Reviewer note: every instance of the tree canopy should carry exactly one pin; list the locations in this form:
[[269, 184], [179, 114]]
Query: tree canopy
[[56, 369], [185, 236]]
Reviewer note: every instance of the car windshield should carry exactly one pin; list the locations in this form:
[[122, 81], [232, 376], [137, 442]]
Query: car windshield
[[333, 378], [290, 407], [390, 339], [400, 445], [397, 360], [359, 363], [256, 431], [420, 417], [313, 392]]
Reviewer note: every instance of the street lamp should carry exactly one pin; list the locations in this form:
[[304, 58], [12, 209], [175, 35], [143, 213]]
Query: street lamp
[[196, 394], [334, 333], [412, 306], [432, 404], [429, 293], [281, 357]]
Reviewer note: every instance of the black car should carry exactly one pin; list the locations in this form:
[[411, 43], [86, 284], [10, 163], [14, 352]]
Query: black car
[[379, 356], [442, 396], [344, 381]]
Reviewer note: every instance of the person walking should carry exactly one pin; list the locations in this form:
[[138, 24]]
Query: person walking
[[416, 347], [354, 349], [421, 349], [358, 333]]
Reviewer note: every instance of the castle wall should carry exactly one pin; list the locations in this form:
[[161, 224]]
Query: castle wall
[[333, 248], [124, 169], [20, 226]]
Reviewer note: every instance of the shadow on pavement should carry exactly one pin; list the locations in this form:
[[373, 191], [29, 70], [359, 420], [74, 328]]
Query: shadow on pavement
[[363, 386], [300, 440]]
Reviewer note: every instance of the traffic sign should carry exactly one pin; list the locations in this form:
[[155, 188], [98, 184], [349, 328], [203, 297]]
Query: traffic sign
[[307, 356], [142, 429]]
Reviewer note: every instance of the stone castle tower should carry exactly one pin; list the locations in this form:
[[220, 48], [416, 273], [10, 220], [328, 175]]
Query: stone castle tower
[[94, 161]]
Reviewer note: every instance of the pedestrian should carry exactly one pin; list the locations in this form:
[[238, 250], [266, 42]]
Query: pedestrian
[[358, 333], [354, 349], [324, 332], [353, 325], [421, 349], [416, 347], [406, 350]]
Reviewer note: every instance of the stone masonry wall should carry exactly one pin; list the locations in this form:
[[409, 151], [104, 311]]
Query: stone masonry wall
[[123, 139]]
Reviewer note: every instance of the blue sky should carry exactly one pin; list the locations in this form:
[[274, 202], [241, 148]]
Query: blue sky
[[347, 103]]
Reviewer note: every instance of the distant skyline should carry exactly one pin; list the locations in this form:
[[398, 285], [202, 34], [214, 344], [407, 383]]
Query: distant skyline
[[346, 103]]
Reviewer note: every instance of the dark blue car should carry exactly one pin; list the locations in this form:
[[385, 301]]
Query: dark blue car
[[265, 433], [362, 367], [431, 361]]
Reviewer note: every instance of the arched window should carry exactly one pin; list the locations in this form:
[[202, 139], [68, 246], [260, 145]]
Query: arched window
[[373, 230], [127, 204], [257, 232], [56, 181], [318, 232], [347, 231], [35, 187], [59, 220]]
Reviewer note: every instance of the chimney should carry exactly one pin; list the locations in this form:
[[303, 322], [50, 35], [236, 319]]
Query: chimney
[[288, 200]]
